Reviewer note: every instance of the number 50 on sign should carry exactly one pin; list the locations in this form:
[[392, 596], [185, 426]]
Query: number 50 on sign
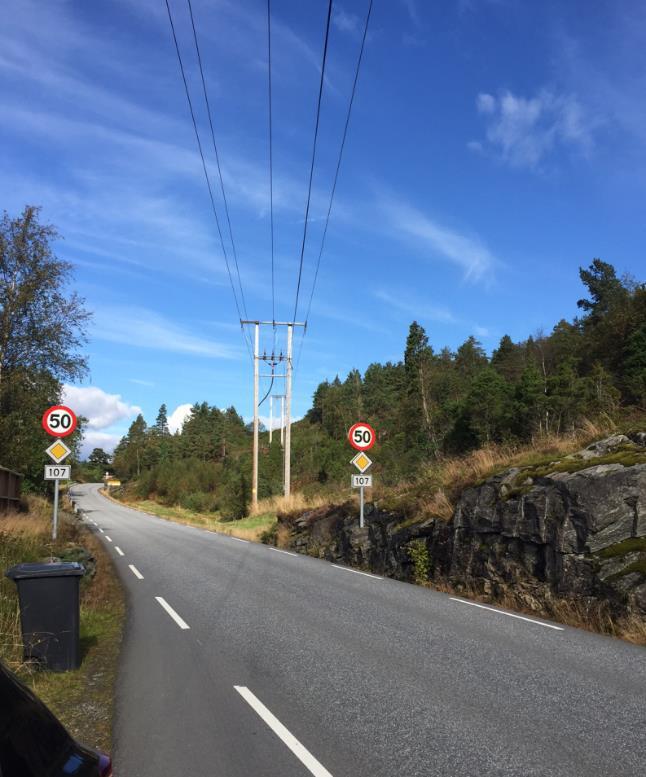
[[59, 421]]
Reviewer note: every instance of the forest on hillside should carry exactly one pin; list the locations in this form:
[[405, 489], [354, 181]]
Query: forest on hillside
[[426, 406]]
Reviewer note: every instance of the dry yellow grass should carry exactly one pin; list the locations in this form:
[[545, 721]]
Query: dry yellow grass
[[441, 481], [293, 503]]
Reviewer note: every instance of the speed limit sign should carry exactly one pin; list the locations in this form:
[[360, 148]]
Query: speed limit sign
[[362, 436], [59, 421]]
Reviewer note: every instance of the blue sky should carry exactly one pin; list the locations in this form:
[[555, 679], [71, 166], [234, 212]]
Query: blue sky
[[495, 146]]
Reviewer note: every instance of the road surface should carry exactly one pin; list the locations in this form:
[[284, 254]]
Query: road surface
[[241, 661]]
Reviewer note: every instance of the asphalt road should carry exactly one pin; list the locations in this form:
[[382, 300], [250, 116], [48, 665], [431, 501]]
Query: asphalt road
[[259, 663]]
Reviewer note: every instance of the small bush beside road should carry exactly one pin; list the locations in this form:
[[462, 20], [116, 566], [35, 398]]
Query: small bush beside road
[[82, 699]]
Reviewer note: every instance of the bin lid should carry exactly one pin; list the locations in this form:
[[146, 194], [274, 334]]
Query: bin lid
[[45, 569]]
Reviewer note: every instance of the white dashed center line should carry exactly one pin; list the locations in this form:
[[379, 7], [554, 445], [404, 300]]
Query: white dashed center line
[[108, 538], [135, 572], [178, 620], [101, 530], [508, 614], [119, 551], [303, 755], [237, 539]]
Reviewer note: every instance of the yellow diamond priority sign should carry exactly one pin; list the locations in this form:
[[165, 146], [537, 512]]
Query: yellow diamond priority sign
[[58, 451], [361, 462]]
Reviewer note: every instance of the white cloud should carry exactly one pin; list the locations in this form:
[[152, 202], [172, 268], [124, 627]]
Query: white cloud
[[178, 416], [139, 382], [100, 408], [144, 328], [524, 131], [469, 253], [92, 440], [486, 103]]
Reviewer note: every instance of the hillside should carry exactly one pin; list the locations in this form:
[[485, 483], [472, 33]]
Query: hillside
[[430, 406]]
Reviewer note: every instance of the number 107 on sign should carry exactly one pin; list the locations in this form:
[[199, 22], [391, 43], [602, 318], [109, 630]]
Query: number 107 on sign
[[361, 481]]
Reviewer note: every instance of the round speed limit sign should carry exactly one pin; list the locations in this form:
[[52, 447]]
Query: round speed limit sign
[[59, 421], [362, 436]]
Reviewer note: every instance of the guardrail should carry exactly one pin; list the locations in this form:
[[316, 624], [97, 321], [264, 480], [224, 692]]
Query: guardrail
[[10, 482]]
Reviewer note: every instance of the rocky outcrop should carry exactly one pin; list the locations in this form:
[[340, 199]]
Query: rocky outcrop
[[570, 528]]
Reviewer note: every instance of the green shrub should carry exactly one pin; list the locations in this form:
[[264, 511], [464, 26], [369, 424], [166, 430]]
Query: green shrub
[[418, 554]]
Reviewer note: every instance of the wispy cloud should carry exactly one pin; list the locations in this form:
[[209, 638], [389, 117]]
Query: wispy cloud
[[466, 251], [413, 11], [344, 21], [140, 382], [423, 310], [143, 328], [523, 131]]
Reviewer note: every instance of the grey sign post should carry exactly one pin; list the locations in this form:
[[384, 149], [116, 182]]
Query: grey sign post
[[362, 463], [58, 452]]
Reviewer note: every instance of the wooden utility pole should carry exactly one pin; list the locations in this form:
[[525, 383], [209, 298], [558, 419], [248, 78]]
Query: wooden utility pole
[[288, 413], [256, 372], [286, 400]]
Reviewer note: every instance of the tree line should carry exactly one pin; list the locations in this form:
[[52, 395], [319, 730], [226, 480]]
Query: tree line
[[428, 405]]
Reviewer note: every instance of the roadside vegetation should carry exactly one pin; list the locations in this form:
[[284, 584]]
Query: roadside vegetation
[[445, 419], [82, 699]]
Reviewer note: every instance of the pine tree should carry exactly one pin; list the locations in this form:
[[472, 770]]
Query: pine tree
[[161, 424]]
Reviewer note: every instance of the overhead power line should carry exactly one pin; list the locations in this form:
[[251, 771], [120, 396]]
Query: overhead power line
[[217, 157], [316, 131], [336, 175], [204, 168], [271, 163], [338, 164]]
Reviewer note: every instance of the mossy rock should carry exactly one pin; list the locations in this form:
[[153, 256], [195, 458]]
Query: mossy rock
[[630, 545]]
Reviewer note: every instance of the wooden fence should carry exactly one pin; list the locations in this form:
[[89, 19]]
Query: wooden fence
[[9, 489]]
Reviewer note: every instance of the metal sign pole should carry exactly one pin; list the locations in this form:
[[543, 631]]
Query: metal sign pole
[[55, 527], [361, 512]]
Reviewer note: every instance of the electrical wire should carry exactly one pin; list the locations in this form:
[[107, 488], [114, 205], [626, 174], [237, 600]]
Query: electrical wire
[[217, 157], [271, 168], [204, 168], [336, 176], [316, 130]]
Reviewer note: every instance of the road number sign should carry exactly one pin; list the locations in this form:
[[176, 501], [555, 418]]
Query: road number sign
[[362, 436], [361, 481], [58, 472], [59, 421]]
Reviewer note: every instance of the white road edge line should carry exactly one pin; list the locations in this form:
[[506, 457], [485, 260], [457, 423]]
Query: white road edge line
[[135, 572], [303, 755], [356, 572], [119, 551], [179, 621], [509, 614], [108, 538], [286, 552]]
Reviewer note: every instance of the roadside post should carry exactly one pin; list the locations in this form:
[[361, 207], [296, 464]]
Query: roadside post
[[361, 437], [58, 421]]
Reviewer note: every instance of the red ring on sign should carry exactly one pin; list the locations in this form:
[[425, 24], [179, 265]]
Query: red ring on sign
[[366, 446], [64, 432]]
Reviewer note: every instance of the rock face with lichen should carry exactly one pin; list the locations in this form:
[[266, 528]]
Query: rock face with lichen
[[572, 528]]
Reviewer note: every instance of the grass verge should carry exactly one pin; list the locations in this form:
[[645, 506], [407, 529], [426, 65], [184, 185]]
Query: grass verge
[[250, 528], [82, 699]]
